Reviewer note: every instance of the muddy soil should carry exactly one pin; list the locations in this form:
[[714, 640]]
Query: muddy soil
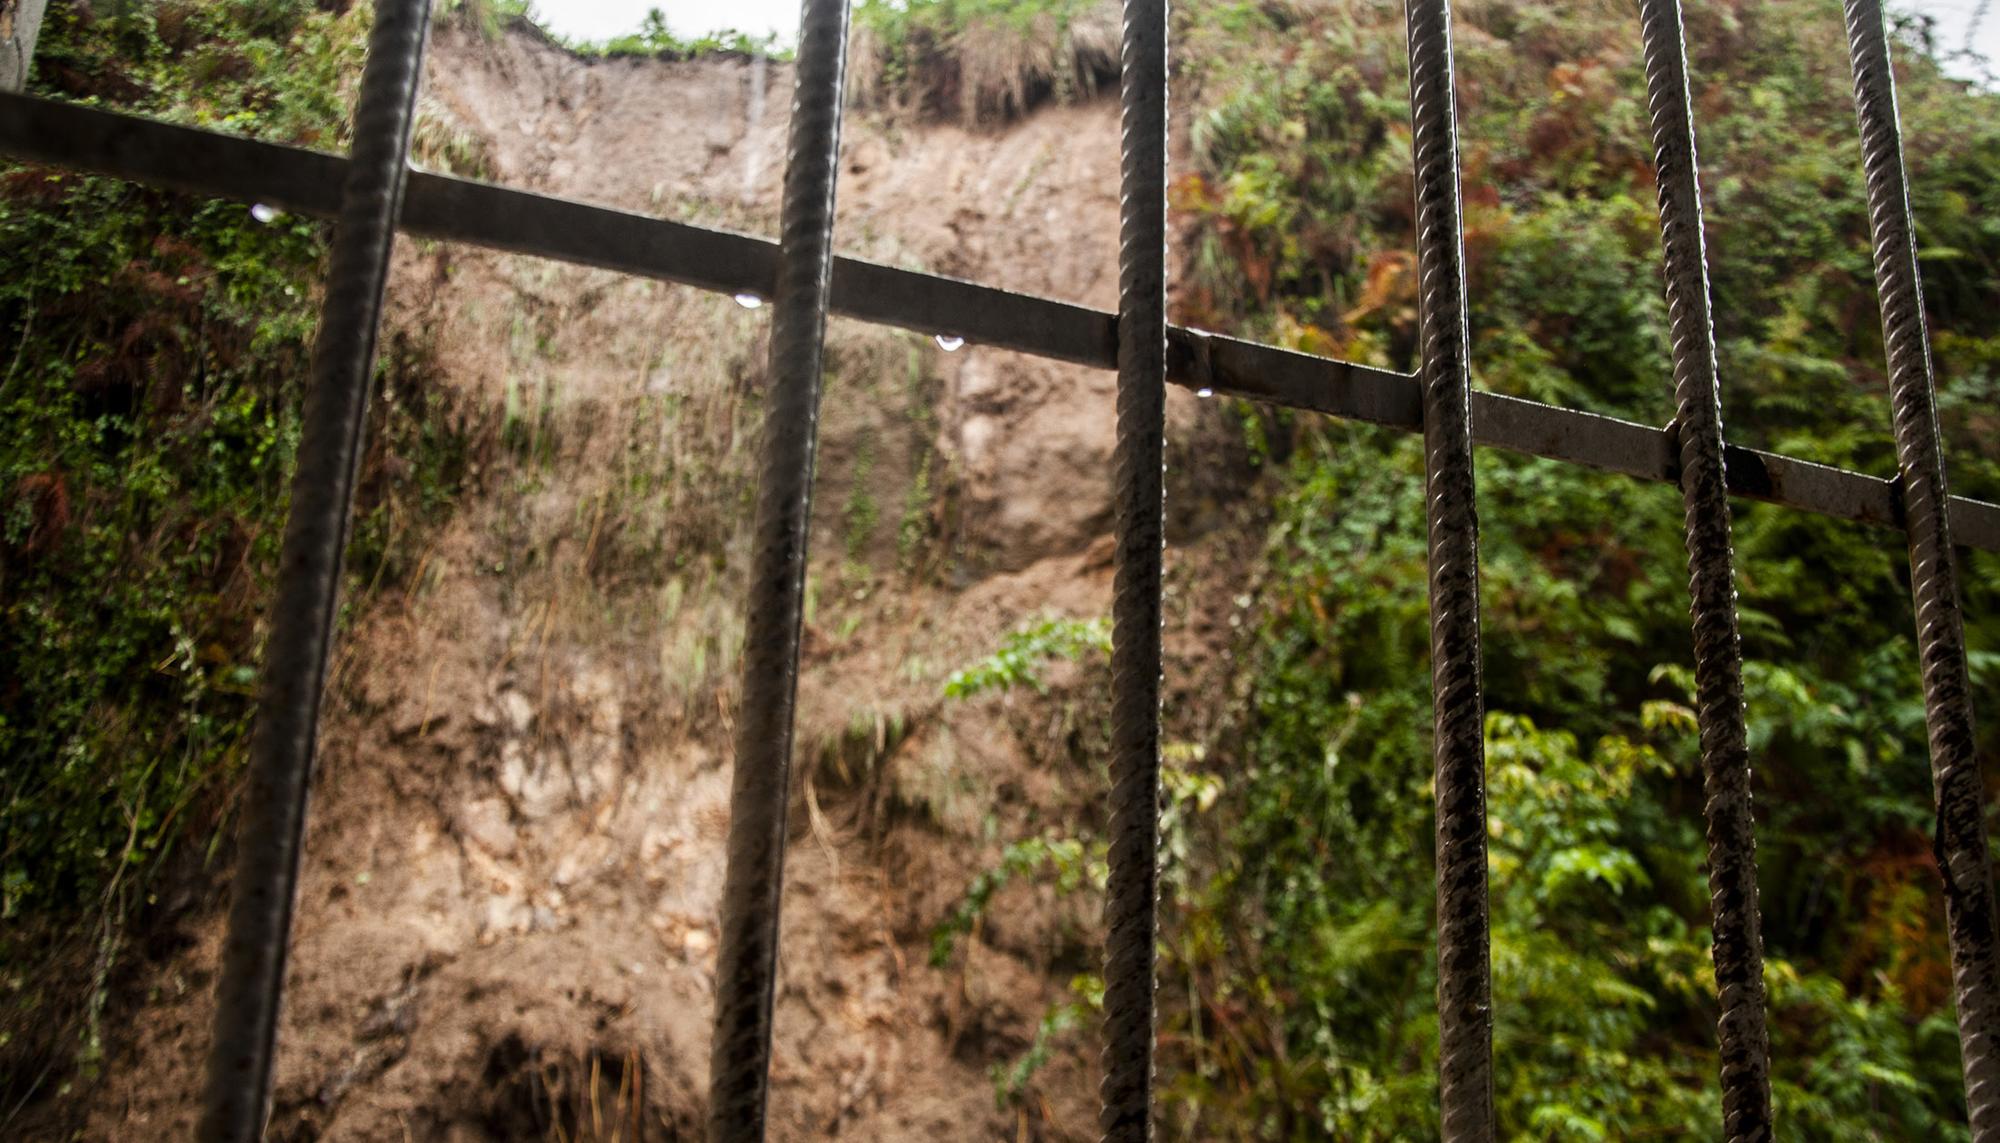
[[506, 927]]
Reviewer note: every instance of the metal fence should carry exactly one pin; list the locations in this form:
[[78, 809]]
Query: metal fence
[[372, 193]]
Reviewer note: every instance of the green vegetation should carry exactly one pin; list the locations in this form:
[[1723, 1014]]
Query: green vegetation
[[1021, 654], [1067, 862], [157, 346], [1309, 938], [654, 39], [490, 17], [1298, 978]]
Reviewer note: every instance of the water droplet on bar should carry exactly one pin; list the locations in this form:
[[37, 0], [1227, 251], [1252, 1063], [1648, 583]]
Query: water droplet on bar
[[749, 301], [1204, 392], [266, 214], [950, 344]]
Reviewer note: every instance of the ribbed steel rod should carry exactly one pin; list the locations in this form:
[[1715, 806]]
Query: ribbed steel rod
[[1960, 839], [251, 985], [1738, 951], [1464, 988], [1133, 888], [753, 887]]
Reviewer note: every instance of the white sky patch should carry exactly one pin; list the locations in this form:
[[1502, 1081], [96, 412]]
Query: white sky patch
[[1961, 24], [1964, 26]]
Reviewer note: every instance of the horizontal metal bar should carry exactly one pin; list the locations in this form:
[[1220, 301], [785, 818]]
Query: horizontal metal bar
[[1609, 444], [521, 222]]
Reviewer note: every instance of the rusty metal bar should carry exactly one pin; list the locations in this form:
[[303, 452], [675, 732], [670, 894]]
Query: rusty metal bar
[[753, 887], [1132, 892], [1464, 958], [250, 987], [1738, 950], [1960, 841], [498, 218]]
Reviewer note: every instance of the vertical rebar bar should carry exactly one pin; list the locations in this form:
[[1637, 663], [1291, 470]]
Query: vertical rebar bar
[[1960, 840], [1738, 952], [753, 887], [1133, 889], [251, 985], [1464, 988]]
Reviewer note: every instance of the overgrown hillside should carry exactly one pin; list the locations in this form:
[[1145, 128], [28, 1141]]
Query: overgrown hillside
[[155, 346], [506, 924], [1296, 213]]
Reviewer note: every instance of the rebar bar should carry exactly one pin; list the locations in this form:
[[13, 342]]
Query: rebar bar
[[1464, 987], [1960, 839], [753, 887], [1738, 950], [250, 988], [1132, 893]]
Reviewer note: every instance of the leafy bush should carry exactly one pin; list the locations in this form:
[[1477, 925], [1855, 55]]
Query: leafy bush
[[156, 349], [655, 39], [489, 17], [1309, 935], [1021, 654], [1302, 921]]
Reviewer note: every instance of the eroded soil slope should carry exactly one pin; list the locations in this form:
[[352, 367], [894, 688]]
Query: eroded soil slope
[[507, 921]]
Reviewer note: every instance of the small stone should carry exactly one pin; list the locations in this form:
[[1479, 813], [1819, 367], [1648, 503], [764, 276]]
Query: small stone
[[517, 710], [513, 768], [486, 823], [545, 789], [656, 844], [500, 913], [568, 869]]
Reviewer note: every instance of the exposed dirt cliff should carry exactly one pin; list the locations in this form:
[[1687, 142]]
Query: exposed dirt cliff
[[507, 921]]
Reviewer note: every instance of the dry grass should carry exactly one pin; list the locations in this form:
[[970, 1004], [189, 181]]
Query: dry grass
[[442, 142], [987, 68], [556, 1097]]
